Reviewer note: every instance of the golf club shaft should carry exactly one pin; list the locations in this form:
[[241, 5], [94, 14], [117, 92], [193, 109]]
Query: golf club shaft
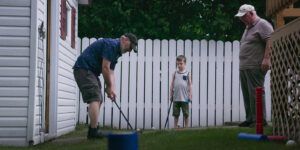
[[123, 115], [168, 113]]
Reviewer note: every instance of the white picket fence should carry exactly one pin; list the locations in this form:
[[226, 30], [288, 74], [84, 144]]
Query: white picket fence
[[143, 79]]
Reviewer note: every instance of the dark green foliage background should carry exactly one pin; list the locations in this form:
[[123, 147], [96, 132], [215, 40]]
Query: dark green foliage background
[[165, 19]]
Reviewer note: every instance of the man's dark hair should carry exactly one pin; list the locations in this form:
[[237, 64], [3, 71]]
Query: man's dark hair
[[133, 41]]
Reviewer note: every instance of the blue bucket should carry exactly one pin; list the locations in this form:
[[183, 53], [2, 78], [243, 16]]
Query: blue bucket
[[123, 141]]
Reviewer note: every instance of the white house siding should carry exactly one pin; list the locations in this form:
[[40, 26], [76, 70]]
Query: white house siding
[[67, 89], [14, 70]]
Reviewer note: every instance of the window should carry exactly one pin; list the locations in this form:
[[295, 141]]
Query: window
[[73, 22], [63, 19], [68, 20]]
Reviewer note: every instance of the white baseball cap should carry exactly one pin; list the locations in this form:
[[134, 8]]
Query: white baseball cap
[[244, 9]]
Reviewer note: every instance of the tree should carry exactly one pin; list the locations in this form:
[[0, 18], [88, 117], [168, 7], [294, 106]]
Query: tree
[[165, 19]]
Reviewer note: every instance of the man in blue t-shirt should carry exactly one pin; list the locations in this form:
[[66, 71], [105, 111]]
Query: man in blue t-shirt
[[100, 57]]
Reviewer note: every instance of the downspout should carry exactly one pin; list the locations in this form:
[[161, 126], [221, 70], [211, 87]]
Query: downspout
[[54, 42], [32, 73]]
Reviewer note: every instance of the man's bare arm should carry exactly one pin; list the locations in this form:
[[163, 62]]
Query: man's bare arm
[[108, 76], [266, 63]]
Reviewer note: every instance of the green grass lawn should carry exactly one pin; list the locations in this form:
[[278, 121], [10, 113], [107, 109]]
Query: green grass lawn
[[190, 139]]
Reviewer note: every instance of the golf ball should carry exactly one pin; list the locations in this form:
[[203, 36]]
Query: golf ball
[[290, 143], [138, 129]]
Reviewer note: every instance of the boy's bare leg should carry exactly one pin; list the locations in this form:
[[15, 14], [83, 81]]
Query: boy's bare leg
[[186, 122], [175, 122], [94, 109]]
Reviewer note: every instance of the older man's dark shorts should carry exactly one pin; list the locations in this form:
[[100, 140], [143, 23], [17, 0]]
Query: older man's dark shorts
[[89, 85]]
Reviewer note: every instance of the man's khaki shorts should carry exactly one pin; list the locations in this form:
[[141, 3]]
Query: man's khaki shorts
[[89, 85]]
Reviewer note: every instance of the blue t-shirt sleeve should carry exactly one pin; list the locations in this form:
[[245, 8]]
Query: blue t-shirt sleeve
[[113, 65], [107, 53]]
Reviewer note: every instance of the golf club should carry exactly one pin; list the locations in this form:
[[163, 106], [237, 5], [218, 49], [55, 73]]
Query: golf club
[[123, 115], [168, 112]]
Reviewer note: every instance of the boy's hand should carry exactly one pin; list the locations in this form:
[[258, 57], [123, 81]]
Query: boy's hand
[[190, 98]]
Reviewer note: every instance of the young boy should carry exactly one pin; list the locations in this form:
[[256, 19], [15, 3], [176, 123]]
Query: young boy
[[181, 91]]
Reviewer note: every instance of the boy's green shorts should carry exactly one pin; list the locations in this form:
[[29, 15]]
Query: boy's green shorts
[[184, 106]]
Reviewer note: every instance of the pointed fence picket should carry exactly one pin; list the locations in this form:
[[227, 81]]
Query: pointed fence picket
[[143, 81]]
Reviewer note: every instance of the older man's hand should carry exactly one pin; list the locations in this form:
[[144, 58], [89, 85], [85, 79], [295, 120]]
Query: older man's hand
[[266, 64]]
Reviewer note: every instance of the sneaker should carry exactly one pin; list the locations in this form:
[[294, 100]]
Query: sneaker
[[245, 124], [253, 125], [94, 133]]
